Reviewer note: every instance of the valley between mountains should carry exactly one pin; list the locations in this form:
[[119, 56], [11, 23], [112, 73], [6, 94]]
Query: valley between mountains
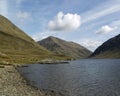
[[17, 47]]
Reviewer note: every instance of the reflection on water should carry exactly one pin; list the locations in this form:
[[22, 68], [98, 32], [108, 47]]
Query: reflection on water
[[86, 77]]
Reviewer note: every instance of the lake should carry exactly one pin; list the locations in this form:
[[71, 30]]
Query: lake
[[85, 77]]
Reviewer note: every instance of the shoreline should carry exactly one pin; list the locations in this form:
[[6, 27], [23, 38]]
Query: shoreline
[[12, 83]]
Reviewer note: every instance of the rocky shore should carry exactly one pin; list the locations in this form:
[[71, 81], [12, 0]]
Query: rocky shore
[[13, 84], [51, 61]]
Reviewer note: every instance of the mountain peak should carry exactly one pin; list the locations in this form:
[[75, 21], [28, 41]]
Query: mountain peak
[[51, 37], [63, 47]]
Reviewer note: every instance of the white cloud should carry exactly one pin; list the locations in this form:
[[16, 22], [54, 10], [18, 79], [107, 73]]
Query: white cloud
[[23, 15], [90, 44], [65, 22], [4, 7], [107, 9], [105, 29]]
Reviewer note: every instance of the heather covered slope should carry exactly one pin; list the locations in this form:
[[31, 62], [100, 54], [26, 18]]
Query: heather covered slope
[[109, 49], [18, 47], [63, 47]]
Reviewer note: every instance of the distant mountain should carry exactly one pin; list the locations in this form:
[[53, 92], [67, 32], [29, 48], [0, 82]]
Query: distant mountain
[[109, 49], [18, 47], [63, 47]]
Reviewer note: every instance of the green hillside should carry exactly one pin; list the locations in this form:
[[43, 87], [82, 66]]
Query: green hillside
[[18, 47]]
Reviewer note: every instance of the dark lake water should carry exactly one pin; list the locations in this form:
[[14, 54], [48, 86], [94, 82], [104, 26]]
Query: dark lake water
[[86, 77]]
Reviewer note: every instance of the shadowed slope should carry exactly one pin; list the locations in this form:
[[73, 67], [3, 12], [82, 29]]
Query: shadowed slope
[[109, 49]]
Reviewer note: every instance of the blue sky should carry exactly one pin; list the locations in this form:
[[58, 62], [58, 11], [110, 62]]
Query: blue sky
[[87, 22]]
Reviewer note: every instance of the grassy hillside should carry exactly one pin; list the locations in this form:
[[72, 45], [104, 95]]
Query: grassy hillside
[[18, 47], [63, 47]]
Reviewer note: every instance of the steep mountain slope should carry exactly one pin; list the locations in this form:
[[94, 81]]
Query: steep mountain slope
[[18, 47], [109, 49], [62, 47]]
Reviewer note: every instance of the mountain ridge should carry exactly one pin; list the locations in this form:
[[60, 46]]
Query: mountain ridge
[[8, 27]]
